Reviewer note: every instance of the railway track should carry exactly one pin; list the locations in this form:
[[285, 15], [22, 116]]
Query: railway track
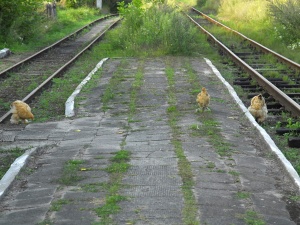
[[29, 77], [256, 70]]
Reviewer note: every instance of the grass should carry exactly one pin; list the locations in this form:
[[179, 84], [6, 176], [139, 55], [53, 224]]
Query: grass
[[58, 204], [133, 94], [92, 187], [243, 195], [7, 157], [116, 170], [252, 218], [210, 128], [51, 104], [119, 162], [255, 23], [184, 166], [48, 30], [70, 174], [111, 89]]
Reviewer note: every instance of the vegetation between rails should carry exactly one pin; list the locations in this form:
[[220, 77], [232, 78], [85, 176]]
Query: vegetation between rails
[[116, 170], [273, 23]]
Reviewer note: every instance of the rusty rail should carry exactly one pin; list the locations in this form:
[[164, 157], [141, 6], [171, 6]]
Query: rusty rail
[[59, 72], [277, 94], [44, 50], [281, 58]]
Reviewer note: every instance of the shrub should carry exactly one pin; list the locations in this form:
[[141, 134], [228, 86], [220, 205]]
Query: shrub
[[18, 19], [77, 3], [209, 6], [149, 29], [286, 15]]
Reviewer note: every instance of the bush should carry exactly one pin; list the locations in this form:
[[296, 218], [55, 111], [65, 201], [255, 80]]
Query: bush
[[286, 16], [77, 3], [149, 29], [209, 6], [18, 19]]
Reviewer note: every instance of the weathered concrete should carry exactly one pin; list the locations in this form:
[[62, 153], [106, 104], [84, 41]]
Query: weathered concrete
[[152, 184]]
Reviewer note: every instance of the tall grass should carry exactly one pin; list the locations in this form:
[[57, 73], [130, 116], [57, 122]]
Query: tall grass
[[252, 18], [156, 29], [243, 10]]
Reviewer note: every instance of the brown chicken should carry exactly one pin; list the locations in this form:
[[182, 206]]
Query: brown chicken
[[20, 111], [203, 99], [258, 108]]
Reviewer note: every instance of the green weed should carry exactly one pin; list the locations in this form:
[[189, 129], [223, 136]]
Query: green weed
[[7, 157], [57, 205], [116, 170], [252, 218], [70, 173], [121, 156], [242, 195], [211, 165], [117, 167], [134, 89], [139, 35], [185, 171], [94, 187]]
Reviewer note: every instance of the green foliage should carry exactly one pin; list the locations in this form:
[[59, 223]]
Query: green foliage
[[121, 156], [18, 19], [37, 31], [252, 218], [113, 4], [70, 172], [243, 10], [57, 205], [148, 29], [118, 167], [293, 125], [209, 6], [252, 18], [77, 3], [286, 15], [201, 2], [7, 157]]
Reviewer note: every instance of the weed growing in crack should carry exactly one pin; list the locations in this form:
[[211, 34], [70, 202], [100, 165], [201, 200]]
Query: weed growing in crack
[[184, 166], [57, 205], [116, 170], [70, 172]]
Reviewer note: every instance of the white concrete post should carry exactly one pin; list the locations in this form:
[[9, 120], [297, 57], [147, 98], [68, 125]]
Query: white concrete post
[[99, 4]]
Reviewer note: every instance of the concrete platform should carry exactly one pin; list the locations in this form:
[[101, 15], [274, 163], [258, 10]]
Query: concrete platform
[[152, 185]]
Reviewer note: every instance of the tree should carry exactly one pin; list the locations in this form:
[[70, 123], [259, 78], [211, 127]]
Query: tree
[[17, 18]]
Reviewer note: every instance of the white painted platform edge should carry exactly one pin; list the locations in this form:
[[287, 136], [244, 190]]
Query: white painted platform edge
[[13, 171], [69, 105], [286, 164]]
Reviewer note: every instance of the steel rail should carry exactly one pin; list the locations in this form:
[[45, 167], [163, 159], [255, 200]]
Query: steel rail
[[60, 71], [44, 50], [281, 58], [281, 97]]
